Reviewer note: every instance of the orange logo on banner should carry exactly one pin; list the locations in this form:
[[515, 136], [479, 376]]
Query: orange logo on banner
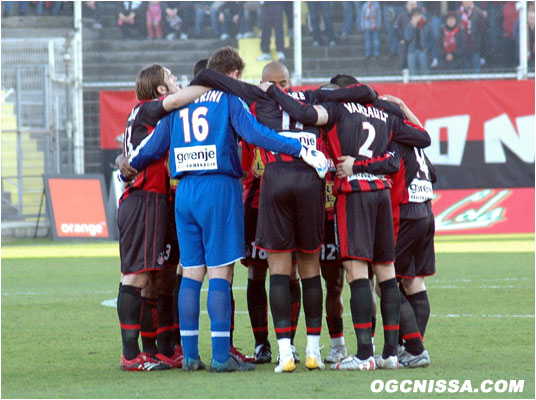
[[78, 208]]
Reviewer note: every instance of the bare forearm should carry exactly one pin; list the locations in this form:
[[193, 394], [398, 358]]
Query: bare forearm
[[183, 97]]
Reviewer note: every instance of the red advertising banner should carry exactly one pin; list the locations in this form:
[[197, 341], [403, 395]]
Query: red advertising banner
[[115, 106], [483, 211], [76, 206]]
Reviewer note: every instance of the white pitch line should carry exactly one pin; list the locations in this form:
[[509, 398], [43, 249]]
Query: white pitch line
[[113, 303]]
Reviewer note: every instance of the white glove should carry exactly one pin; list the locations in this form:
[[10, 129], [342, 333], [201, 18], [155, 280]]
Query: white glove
[[315, 159]]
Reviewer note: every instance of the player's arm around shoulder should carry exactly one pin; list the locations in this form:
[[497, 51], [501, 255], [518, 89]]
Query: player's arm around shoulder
[[411, 131], [183, 97]]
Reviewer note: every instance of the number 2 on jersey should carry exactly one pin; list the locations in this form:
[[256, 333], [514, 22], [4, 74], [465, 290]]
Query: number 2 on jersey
[[364, 150], [199, 124]]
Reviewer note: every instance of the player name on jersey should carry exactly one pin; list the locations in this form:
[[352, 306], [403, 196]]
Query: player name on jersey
[[365, 176], [212, 95], [370, 112]]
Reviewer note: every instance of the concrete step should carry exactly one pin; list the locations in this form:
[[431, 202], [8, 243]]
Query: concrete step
[[142, 45]]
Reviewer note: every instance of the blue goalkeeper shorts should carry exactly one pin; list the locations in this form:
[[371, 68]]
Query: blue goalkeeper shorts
[[210, 220]]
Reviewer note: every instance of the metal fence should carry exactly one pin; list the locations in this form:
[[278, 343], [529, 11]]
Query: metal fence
[[35, 139]]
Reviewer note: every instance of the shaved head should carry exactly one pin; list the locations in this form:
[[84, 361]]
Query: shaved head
[[276, 73]]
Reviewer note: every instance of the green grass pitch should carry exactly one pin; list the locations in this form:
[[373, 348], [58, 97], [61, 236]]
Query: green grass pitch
[[60, 341]]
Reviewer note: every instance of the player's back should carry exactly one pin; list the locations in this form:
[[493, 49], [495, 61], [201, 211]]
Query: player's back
[[140, 124], [203, 140]]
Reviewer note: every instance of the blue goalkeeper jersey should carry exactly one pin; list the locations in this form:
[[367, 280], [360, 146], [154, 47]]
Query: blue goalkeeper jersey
[[202, 137]]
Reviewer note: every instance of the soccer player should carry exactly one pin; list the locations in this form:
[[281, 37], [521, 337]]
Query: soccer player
[[204, 155], [364, 222], [414, 228], [280, 228], [142, 210]]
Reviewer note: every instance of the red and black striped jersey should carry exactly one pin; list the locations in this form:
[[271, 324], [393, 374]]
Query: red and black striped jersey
[[253, 167], [140, 124], [296, 117], [364, 132], [412, 183]]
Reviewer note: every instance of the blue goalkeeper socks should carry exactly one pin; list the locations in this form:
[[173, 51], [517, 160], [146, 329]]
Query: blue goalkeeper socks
[[189, 316], [219, 311]]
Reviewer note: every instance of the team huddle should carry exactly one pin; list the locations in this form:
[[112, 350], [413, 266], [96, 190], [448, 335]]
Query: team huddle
[[326, 181]]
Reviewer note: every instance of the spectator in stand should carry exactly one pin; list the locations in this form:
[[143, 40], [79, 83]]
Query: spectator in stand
[[231, 15], [55, 7], [451, 46], [23, 6], [419, 37], [131, 19], [272, 18], [432, 12], [322, 9], [178, 18], [154, 20], [218, 20], [288, 10], [207, 10], [391, 9], [494, 17], [252, 10], [400, 27], [473, 22], [348, 21], [508, 49], [92, 10], [371, 22]]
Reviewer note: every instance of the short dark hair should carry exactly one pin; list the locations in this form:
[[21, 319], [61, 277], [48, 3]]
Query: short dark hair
[[200, 65], [148, 80], [226, 60], [343, 80]]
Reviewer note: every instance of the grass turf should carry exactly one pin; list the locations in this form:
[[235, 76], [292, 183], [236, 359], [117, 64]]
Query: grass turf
[[60, 341]]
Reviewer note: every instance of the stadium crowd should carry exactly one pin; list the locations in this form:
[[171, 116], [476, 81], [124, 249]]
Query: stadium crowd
[[366, 207], [420, 35]]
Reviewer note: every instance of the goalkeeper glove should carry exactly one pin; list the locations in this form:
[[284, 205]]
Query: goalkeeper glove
[[315, 159]]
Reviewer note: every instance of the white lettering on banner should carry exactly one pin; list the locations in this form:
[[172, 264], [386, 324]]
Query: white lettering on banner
[[499, 132], [485, 216], [305, 138], [195, 158], [91, 229], [420, 191], [365, 176], [457, 128]]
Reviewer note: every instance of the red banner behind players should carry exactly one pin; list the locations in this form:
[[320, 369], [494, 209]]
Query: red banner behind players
[[484, 211], [115, 106]]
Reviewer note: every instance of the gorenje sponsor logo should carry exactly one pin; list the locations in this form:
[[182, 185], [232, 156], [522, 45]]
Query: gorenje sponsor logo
[[91, 229], [420, 191], [305, 138], [195, 158]]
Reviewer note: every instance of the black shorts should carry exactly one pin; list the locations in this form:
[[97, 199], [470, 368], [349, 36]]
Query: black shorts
[[365, 226], [415, 255], [254, 256], [171, 244], [291, 208], [329, 254], [141, 217]]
